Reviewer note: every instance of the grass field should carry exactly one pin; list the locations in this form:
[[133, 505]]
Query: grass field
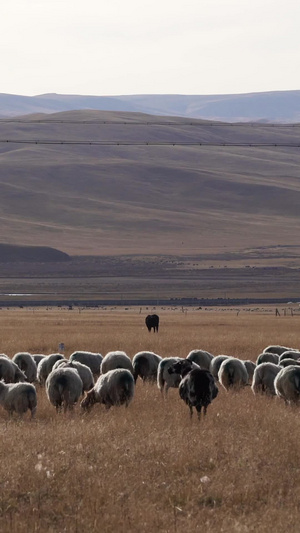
[[149, 468]]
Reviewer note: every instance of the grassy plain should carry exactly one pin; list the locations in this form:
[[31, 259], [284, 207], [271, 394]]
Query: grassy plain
[[148, 468]]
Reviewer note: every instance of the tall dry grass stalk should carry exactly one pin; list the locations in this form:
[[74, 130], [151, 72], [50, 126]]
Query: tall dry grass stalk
[[149, 468]]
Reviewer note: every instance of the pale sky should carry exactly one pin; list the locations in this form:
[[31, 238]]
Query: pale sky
[[114, 47]]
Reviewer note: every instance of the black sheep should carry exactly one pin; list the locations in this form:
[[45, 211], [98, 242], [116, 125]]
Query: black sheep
[[152, 321]]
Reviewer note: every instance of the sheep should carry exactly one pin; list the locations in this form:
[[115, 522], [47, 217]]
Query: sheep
[[45, 366], [84, 372], [287, 384], [233, 374], [165, 380], [90, 359], [145, 365], [201, 358], [267, 357], [289, 354], [117, 359], [216, 363], [263, 378], [197, 386], [27, 364], [10, 372], [63, 388], [37, 357], [275, 348], [289, 362], [115, 387], [18, 397], [250, 367]]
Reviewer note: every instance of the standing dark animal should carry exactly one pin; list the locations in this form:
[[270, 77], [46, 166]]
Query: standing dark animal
[[152, 321], [197, 387]]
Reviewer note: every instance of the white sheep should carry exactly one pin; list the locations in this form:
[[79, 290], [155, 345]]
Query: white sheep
[[276, 348], [84, 372], [116, 359], [264, 377], [250, 367], [90, 359], [287, 384], [233, 374], [18, 397], [267, 357], [26, 363], [63, 388], [115, 387], [45, 366], [201, 358], [165, 380], [289, 362], [37, 357], [145, 365], [216, 363], [9, 371]]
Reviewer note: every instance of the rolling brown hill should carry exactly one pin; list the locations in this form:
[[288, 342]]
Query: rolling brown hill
[[155, 199]]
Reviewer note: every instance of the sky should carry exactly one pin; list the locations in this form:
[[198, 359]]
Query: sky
[[116, 47]]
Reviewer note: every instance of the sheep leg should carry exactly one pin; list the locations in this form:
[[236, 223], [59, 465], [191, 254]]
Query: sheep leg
[[191, 411]]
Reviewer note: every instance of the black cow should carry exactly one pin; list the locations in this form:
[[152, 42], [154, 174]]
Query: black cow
[[152, 321]]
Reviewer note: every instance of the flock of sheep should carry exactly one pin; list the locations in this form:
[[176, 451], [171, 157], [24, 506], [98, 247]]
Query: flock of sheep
[[111, 380]]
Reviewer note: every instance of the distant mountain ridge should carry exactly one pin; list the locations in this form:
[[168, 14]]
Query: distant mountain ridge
[[273, 106]]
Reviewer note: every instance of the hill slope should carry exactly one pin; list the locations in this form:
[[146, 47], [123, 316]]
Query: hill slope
[[147, 199]]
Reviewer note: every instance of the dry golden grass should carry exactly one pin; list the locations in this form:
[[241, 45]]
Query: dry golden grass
[[149, 468]]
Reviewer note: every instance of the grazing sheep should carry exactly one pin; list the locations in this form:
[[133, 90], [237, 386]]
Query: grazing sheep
[[275, 348], [37, 357], [215, 365], [289, 354], [115, 387], [287, 384], [90, 359], [60, 362], [45, 366], [289, 362], [18, 397], [63, 388], [263, 378], [145, 365], [27, 364], [267, 357], [165, 380], [197, 386], [10, 372], [84, 372], [250, 367], [233, 374], [201, 358], [117, 359], [152, 321]]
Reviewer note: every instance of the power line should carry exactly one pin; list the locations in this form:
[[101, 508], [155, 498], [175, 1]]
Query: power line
[[149, 143]]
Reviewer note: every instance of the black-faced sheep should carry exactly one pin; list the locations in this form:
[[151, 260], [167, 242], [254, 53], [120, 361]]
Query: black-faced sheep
[[10, 372], [233, 374], [90, 359], [287, 384], [152, 321], [114, 360], [18, 397], [45, 366], [145, 365], [63, 388], [165, 380], [215, 365], [115, 387], [201, 358], [267, 357], [26, 363], [197, 387], [264, 377]]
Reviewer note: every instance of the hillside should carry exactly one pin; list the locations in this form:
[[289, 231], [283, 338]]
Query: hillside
[[30, 254], [160, 199], [273, 106]]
